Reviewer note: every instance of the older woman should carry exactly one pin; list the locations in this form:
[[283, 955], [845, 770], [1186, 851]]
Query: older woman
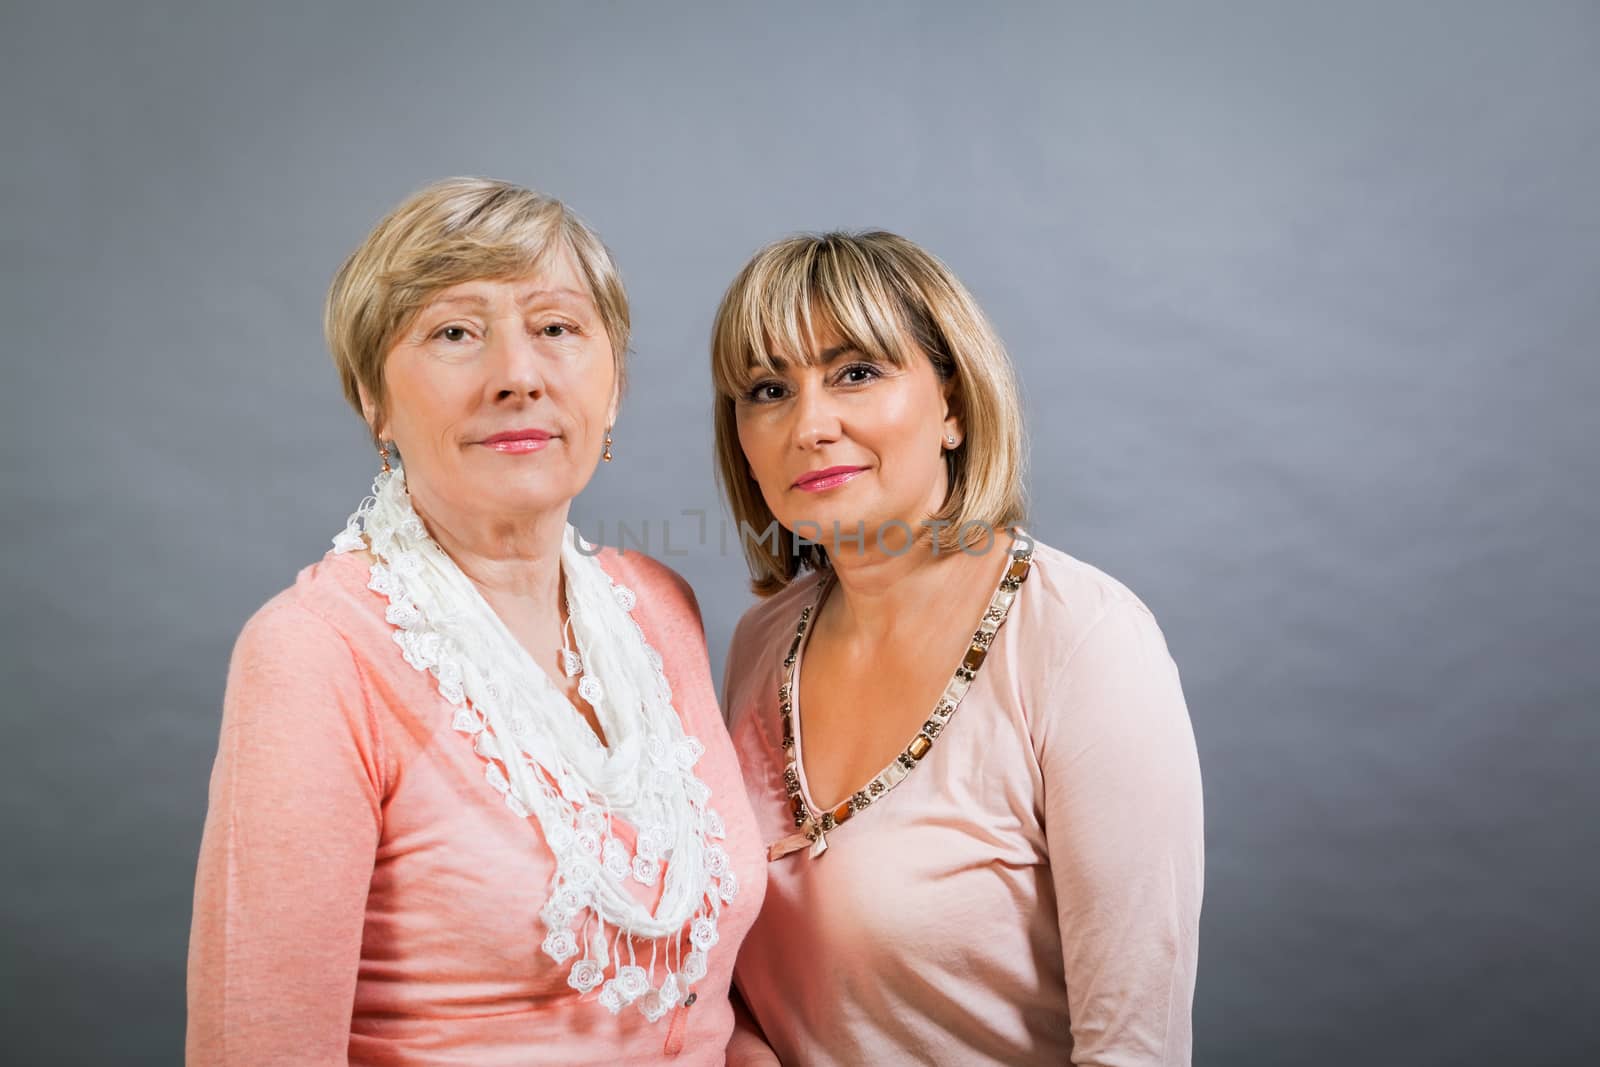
[[473, 801], [968, 752]]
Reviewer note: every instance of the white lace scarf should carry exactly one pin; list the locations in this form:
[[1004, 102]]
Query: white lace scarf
[[546, 762]]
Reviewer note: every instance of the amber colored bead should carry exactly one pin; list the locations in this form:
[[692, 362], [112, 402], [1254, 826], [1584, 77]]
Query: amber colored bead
[[919, 746], [843, 812], [974, 658]]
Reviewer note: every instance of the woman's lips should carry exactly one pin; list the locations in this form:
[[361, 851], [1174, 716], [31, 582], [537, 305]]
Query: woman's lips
[[515, 442], [827, 478]]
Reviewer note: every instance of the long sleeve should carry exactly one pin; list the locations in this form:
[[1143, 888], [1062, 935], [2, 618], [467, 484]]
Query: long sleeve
[[288, 850], [748, 1046], [1125, 832]]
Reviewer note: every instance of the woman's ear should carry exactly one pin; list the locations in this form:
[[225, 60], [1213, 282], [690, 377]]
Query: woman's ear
[[954, 420], [369, 411]]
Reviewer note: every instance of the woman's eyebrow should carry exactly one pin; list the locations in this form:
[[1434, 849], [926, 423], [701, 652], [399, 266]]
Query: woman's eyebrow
[[470, 299], [532, 295]]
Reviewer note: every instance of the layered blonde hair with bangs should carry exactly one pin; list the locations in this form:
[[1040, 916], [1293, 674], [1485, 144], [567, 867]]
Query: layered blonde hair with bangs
[[449, 232], [894, 302]]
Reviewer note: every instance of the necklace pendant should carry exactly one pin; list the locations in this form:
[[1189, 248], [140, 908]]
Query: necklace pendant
[[571, 663]]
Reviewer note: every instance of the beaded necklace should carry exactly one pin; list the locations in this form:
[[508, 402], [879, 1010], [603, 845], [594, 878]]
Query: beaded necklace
[[812, 826]]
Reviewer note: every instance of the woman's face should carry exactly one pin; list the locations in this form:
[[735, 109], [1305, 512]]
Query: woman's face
[[848, 441], [499, 395]]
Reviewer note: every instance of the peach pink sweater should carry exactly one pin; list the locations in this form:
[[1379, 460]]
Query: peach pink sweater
[[364, 896], [1030, 893]]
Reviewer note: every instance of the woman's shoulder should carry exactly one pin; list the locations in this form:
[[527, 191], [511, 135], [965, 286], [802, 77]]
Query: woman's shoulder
[[1066, 599], [662, 600], [1100, 690], [770, 619], [762, 634], [307, 650], [647, 577], [328, 599], [298, 677]]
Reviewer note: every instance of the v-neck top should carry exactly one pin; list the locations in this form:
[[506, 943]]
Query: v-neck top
[[813, 822], [1030, 892]]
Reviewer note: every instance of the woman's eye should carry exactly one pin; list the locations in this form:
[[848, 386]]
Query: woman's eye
[[555, 329], [857, 373], [765, 392], [453, 333]]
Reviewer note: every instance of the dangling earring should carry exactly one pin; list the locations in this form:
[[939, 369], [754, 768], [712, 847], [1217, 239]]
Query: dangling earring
[[383, 450], [606, 455]]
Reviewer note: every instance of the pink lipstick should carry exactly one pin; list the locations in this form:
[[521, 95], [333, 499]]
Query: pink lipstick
[[827, 478], [516, 442]]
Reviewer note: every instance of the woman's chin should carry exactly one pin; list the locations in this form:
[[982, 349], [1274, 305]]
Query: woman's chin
[[514, 497], [534, 499], [847, 528]]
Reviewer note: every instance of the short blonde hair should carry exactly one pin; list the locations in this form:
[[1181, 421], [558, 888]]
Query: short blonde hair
[[453, 231], [893, 301]]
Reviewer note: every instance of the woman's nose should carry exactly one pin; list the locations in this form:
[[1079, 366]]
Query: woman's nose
[[514, 363], [816, 422]]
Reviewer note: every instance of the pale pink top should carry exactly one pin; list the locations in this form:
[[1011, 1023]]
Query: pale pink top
[[1030, 893], [364, 892]]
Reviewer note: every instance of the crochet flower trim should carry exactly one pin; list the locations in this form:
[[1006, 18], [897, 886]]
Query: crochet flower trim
[[576, 825]]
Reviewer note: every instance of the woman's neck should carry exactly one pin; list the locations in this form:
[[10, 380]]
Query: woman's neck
[[514, 561], [879, 592]]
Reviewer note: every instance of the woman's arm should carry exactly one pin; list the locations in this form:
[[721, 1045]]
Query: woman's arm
[[1124, 826], [748, 1046], [287, 855]]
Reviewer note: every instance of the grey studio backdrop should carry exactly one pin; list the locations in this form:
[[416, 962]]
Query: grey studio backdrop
[[1303, 297]]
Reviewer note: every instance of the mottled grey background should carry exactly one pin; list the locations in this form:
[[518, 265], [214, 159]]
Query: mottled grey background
[[1304, 297]]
